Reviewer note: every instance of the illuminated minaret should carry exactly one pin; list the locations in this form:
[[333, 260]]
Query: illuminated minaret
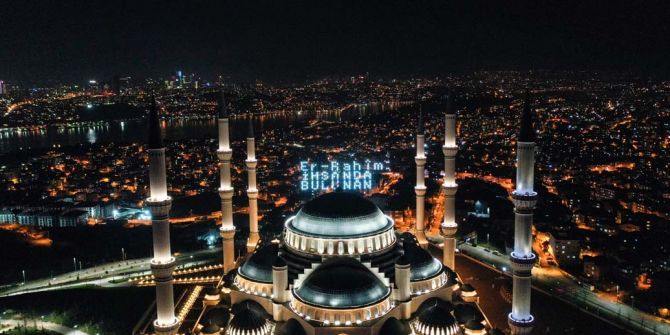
[[420, 188], [449, 187], [252, 191], [224, 153], [159, 203], [524, 198]]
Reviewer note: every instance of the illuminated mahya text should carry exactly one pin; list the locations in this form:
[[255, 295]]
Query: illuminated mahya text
[[349, 175]]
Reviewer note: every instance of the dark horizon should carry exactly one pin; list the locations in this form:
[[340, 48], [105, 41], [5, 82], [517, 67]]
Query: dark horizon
[[301, 40]]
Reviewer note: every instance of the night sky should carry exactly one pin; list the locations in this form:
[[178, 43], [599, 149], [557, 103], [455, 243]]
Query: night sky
[[283, 40]]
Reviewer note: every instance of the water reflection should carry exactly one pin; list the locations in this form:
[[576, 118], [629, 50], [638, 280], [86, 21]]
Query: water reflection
[[15, 139]]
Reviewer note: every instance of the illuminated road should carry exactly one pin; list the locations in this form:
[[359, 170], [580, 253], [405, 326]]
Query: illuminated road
[[39, 324], [106, 275], [559, 284]]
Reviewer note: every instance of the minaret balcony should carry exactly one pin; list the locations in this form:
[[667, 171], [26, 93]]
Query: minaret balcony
[[226, 192], [251, 163], [524, 201], [252, 193], [448, 230], [224, 154], [169, 327], [163, 268], [522, 264], [420, 160], [420, 190], [520, 326], [449, 151], [450, 189], [159, 208]]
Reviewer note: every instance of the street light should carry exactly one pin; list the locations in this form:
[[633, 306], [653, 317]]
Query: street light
[[123, 254], [617, 293], [74, 261], [24, 276]]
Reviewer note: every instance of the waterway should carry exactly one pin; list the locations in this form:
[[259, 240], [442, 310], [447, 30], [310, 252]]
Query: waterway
[[134, 130]]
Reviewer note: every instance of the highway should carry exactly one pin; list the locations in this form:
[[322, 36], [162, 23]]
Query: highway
[[559, 284], [39, 324], [113, 274]]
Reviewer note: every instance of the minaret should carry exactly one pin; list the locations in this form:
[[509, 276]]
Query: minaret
[[403, 289], [224, 153], [159, 203], [279, 287], [252, 191], [449, 187], [420, 188], [524, 198]]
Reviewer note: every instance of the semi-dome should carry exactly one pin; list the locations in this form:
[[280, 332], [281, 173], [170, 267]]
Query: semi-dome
[[341, 283], [422, 264], [258, 267], [339, 214]]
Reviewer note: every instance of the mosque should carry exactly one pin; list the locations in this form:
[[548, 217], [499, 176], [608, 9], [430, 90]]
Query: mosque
[[340, 267]]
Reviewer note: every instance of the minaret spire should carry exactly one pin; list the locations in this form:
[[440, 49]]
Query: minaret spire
[[524, 198], [159, 203], [252, 191], [449, 187], [225, 153], [420, 188]]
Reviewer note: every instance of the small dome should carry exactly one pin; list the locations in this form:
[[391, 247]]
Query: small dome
[[342, 283], [467, 288], [210, 329], [339, 214], [212, 291], [258, 267], [443, 304], [433, 318], [467, 312], [247, 304], [291, 327], [422, 264], [218, 315], [393, 326], [249, 318], [474, 325]]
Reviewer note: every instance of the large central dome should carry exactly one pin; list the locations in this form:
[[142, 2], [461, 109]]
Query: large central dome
[[339, 214]]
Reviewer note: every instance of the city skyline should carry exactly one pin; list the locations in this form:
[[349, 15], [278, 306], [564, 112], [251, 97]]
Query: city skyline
[[334, 168], [298, 41]]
